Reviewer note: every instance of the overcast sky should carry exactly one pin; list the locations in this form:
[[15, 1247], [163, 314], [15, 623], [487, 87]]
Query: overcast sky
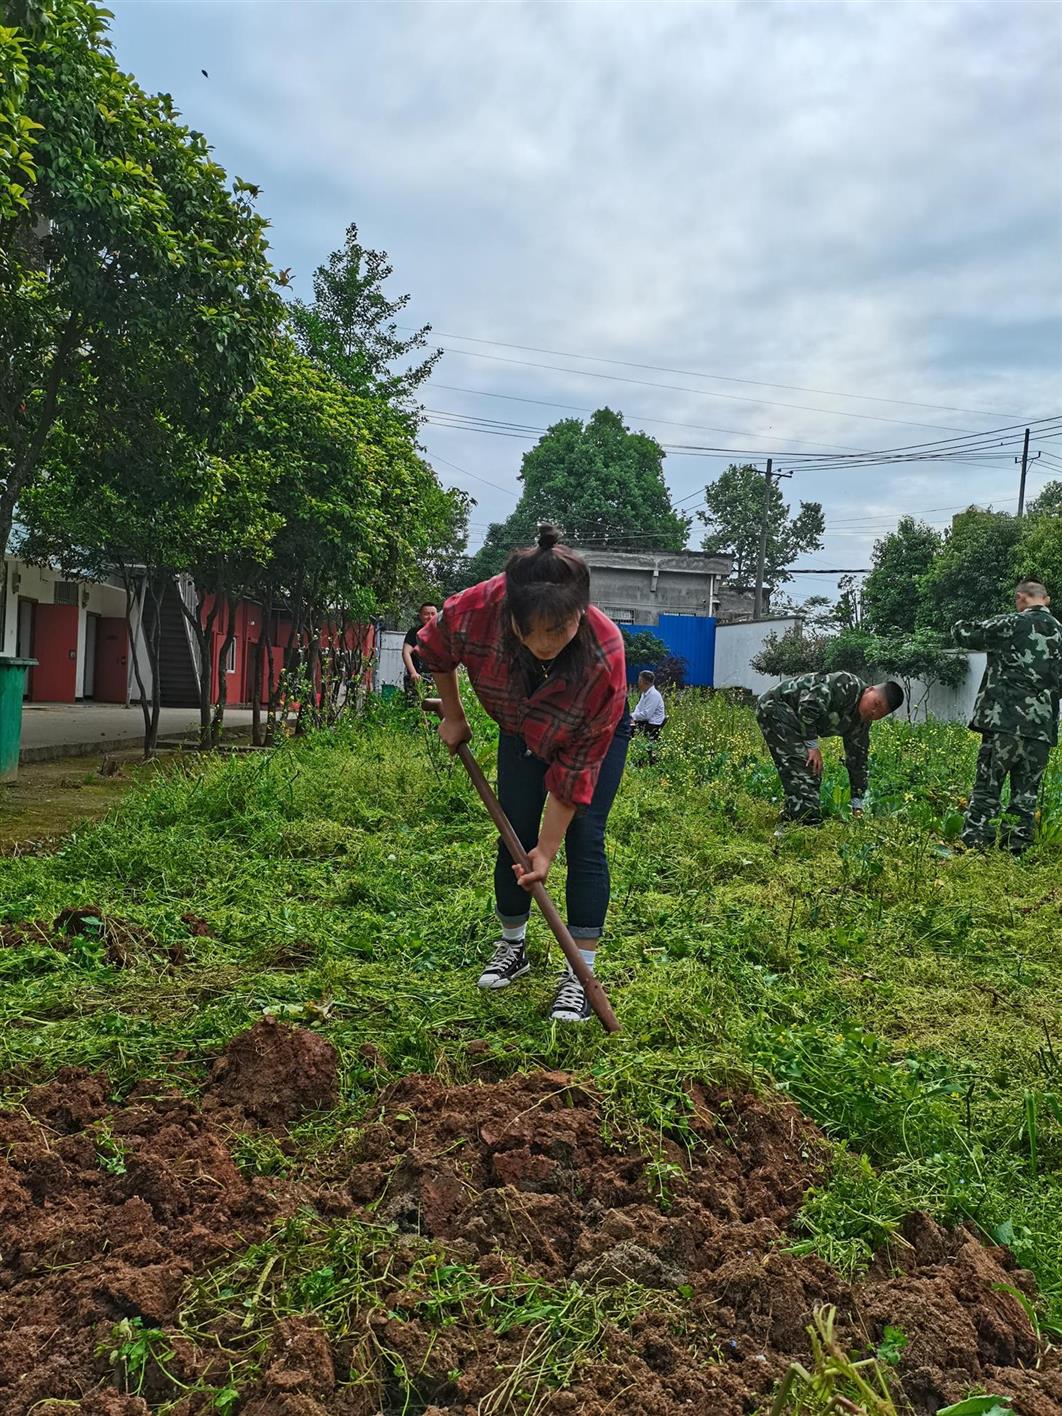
[[860, 199]]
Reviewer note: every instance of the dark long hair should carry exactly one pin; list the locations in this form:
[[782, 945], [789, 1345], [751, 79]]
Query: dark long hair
[[548, 584]]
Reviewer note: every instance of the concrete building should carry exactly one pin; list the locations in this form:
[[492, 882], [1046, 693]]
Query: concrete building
[[637, 587], [76, 629]]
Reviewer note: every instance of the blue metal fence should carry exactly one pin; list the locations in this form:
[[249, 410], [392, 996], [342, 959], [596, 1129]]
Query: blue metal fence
[[690, 637]]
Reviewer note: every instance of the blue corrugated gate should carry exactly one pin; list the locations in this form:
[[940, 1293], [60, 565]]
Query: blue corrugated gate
[[690, 637]]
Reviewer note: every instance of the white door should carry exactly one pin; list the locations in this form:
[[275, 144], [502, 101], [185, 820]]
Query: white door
[[88, 689], [24, 638]]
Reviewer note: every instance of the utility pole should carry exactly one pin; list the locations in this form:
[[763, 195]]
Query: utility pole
[[1024, 460], [757, 604]]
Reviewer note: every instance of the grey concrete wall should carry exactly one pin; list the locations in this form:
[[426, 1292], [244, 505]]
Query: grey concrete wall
[[952, 705], [621, 583]]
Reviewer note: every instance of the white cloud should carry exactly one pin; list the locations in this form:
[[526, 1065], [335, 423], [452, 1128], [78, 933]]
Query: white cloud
[[859, 197]]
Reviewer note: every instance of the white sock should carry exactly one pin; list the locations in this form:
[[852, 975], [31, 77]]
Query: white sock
[[588, 957], [514, 933]]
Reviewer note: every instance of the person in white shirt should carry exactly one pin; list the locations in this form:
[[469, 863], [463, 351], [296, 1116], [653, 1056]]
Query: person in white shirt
[[649, 716]]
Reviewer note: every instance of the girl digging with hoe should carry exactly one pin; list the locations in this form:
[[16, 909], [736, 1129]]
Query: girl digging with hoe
[[549, 669]]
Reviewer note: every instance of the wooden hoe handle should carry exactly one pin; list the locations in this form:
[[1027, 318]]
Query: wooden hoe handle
[[595, 994]]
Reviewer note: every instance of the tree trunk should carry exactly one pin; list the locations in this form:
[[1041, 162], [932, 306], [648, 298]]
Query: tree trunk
[[223, 678], [130, 600], [256, 690], [155, 586], [203, 629]]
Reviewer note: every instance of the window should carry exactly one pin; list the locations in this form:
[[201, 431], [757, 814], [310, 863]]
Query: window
[[621, 616], [230, 658], [66, 592]]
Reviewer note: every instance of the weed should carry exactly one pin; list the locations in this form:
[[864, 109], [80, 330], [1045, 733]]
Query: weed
[[110, 1151], [131, 1350]]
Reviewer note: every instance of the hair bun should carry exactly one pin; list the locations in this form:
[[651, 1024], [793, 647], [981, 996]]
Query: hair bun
[[548, 536]]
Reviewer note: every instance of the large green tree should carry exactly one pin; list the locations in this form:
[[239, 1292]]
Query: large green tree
[[350, 327], [122, 250], [973, 575], [358, 509], [734, 516], [890, 591], [601, 483], [1039, 553]]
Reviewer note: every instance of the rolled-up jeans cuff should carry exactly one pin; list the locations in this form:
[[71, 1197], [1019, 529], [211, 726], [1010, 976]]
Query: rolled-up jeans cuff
[[512, 921], [585, 931]]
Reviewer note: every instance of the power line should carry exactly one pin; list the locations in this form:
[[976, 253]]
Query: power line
[[642, 418], [911, 452], [723, 378], [704, 392]]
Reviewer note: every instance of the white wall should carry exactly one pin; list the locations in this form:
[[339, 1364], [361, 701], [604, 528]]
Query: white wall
[[35, 583], [953, 705], [736, 644], [38, 583], [390, 669]]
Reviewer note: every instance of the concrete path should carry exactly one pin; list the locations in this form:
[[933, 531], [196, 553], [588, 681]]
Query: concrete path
[[70, 729]]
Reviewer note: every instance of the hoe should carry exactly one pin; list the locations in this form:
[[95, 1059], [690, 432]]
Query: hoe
[[594, 992]]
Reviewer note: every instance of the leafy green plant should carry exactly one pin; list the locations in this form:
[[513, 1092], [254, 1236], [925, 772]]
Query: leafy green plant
[[132, 1349], [111, 1151], [833, 1381]]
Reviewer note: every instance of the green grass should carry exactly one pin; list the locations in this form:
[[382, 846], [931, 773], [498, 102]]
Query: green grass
[[909, 1002]]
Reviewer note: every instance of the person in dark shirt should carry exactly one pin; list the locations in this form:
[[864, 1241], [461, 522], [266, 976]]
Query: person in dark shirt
[[414, 664]]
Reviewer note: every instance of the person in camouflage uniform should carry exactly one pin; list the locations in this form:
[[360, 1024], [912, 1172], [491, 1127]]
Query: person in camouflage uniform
[[797, 712], [1016, 713]]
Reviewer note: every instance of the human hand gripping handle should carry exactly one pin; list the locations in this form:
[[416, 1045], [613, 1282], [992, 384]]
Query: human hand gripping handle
[[595, 994], [453, 725]]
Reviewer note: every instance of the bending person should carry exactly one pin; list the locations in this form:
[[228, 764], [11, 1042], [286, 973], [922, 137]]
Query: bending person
[[797, 712], [549, 669], [1016, 713]]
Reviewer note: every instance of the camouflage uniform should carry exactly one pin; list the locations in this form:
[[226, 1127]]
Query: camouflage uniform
[[794, 715], [1016, 714]]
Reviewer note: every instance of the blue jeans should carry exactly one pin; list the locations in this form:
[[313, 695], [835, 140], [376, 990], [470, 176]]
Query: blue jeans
[[522, 793]]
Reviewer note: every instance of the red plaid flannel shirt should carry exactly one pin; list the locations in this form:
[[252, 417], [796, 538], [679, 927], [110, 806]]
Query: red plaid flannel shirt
[[568, 725]]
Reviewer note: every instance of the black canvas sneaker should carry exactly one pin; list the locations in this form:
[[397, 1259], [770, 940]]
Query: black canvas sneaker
[[571, 1004], [507, 964]]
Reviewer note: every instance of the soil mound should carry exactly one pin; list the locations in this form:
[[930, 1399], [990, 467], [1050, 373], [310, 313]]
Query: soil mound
[[669, 1276], [520, 1168], [104, 1214], [274, 1073]]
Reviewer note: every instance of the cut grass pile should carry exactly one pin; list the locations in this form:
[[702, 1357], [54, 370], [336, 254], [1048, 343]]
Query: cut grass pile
[[910, 1003]]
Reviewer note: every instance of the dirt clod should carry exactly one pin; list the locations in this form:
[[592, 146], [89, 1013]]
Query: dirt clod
[[275, 1073]]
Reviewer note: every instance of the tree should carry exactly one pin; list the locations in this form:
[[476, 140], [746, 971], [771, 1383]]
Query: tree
[[127, 505], [973, 575], [603, 484], [1048, 503], [358, 509], [890, 591], [783, 656], [350, 327], [1039, 551], [126, 252], [924, 656], [734, 517]]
